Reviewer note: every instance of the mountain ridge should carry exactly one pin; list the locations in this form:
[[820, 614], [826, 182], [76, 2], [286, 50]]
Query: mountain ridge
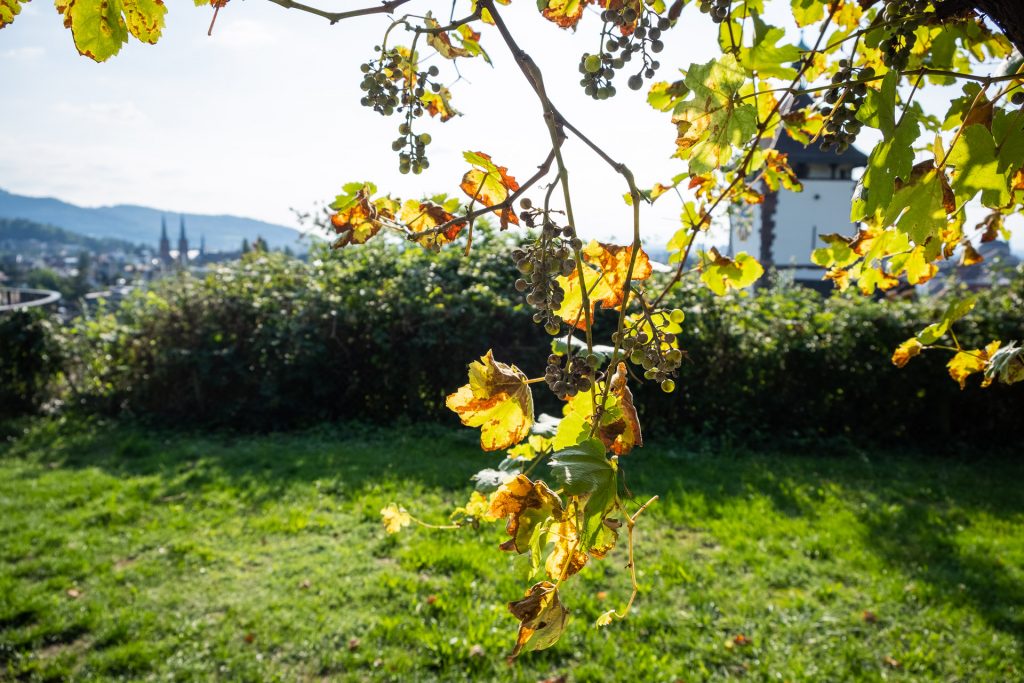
[[141, 224]]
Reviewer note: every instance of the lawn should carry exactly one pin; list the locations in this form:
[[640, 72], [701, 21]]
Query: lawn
[[134, 554]]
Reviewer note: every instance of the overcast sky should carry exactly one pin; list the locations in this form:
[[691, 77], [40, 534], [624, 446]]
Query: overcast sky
[[265, 115]]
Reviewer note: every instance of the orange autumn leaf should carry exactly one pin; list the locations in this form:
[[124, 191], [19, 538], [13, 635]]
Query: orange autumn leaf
[[525, 504], [905, 351], [490, 185], [568, 556], [605, 278], [359, 219], [565, 13], [425, 217], [498, 400], [622, 435]]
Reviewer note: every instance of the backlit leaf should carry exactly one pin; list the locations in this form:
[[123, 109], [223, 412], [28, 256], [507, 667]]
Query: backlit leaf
[[598, 289], [583, 468], [713, 124], [441, 42], [358, 218], [489, 185], [145, 19], [966, 363], [525, 504], [542, 618], [425, 217], [613, 260], [498, 400], [721, 273], [395, 518], [1006, 364], [439, 104], [565, 13], [766, 57], [8, 10], [977, 169], [905, 351], [97, 26], [568, 556]]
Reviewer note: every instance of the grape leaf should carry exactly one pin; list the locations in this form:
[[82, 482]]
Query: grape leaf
[[977, 169], [619, 428], [490, 184], [720, 273], [395, 518], [966, 363], [613, 260], [542, 618], [498, 400], [923, 205], [440, 41], [470, 40], [622, 434], [421, 217], [891, 158], [565, 13], [97, 26], [766, 57], [568, 556], [905, 351], [439, 104], [145, 19], [664, 96], [357, 218], [598, 289], [1006, 364], [807, 12], [526, 504], [8, 10], [712, 124], [583, 468]]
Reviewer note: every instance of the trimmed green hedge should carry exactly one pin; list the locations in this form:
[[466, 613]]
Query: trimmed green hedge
[[383, 333]]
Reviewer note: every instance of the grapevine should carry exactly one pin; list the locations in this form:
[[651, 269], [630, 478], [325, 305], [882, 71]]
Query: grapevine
[[561, 493]]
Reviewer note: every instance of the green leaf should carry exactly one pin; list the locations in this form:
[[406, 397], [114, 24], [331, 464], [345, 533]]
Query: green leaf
[[807, 12], [145, 19], [97, 26], [977, 169], [891, 158], [925, 212], [713, 124], [8, 10], [664, 96], [721, 273], [583, 468], [766, 57]]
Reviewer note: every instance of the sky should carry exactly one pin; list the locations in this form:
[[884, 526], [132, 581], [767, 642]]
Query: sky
[[264, 116]]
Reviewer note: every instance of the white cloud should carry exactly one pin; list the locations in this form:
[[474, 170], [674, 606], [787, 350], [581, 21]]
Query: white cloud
[[102, 112], [23, 54]]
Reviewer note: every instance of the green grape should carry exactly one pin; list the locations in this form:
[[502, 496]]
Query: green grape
[[668, 386], [677, 316]]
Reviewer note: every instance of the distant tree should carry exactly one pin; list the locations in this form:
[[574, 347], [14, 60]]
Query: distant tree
[[245, 246]]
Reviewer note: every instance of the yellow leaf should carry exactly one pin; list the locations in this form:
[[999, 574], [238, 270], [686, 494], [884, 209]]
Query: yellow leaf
[[498, 400], [490, 184], [568, 556], [721, 273], [361, 219], [421, 217], [598, 289], [605, 618], [395, 518], [966, 363], [542, 618], [526, 504], [606, 285], [905, 351], [565, 13]]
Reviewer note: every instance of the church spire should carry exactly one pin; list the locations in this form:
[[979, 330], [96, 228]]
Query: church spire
[[165, 242], [182, 244]]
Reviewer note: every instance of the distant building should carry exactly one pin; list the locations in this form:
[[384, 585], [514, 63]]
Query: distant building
[[182, 245], [165, 243], [782, 231]]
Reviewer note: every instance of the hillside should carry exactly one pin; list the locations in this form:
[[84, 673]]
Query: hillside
[[19, 230], [141, 225]]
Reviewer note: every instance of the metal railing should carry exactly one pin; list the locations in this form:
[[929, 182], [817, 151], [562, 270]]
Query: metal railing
[[14, 298]]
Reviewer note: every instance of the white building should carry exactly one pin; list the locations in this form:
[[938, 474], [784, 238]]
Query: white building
[[783, 230]]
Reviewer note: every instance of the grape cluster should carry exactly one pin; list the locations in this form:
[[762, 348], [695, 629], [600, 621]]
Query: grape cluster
[[412, 149], [896, 46], [842, 103], [388, 89], [643, 40], [718, 9], [575, 375], [541, 263], [655, 352]]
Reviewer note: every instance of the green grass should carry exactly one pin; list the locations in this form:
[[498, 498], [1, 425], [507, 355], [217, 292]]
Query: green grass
[[156, 555]]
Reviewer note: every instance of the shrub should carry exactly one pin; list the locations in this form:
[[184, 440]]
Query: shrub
[[29, 359]]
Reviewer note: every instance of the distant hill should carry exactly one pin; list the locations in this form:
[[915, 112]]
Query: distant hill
[[23, 230], [141, 225]]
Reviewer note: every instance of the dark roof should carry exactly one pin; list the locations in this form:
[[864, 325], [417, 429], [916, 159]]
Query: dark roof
[[812, 154]]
